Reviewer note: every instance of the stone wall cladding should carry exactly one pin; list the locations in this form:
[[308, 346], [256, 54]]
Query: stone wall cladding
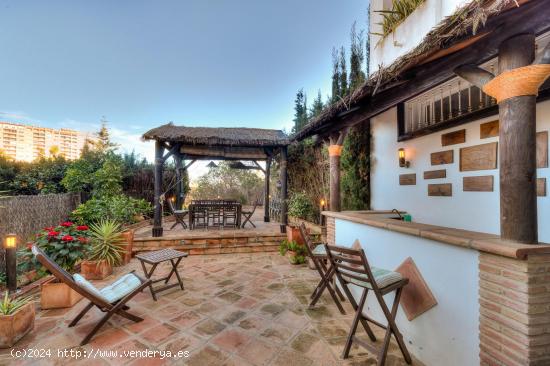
[[331, 230], [213, 245], [514, 298]]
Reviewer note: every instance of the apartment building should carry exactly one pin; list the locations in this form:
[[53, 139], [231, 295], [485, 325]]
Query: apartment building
[[26, 143]]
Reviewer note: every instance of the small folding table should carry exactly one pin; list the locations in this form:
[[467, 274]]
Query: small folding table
[[155, 258]]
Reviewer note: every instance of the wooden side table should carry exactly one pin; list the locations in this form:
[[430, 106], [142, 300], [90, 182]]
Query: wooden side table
[[155, 258]]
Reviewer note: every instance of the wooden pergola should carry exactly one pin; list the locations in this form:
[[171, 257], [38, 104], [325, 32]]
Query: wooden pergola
[[186, 145], [452, 49]]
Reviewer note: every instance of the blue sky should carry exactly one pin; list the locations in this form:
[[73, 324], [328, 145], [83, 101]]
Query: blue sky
[[144, 63]]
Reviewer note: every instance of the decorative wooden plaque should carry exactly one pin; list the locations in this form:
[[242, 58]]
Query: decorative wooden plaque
[[483, 183], [489, 129], [416, 298], [542, 149], [442, 157], [453, 138], [541, 187], [479, 157], [440, 190], [407, 179], [435, 174]]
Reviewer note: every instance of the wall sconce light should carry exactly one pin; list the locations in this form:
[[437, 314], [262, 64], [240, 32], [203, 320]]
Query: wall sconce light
[[10, 246], [403, 163]]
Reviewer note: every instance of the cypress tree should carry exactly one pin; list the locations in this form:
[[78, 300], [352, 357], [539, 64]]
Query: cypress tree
[[335, 75], [356, 75], [343, 73], [300, 111], [367, 48], [317, 106]]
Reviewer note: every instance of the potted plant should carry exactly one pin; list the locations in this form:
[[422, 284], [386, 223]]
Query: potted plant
[[106, 250], [294, 251], [66, 244], [16, 319]]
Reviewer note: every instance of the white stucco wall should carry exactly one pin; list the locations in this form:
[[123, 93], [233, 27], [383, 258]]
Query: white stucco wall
[[477, 211], [447, 334], [409, 33]]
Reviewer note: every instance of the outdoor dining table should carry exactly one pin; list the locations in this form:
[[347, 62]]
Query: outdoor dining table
[[196, 207]]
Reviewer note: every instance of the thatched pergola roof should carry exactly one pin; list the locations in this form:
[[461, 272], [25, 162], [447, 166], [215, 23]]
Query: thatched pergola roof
[[221, 136], [439, 42]]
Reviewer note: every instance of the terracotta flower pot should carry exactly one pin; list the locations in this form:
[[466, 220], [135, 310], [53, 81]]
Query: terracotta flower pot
[[95, 270], [290, 254], [129, 246], [293, 234], [14, 327], [56, 295]]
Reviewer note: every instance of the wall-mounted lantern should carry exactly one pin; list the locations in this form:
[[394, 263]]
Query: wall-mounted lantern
[[10, 246], [403, 163]]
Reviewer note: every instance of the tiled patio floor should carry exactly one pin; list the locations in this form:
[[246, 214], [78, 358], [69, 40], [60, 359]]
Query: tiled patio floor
[[237, 309]]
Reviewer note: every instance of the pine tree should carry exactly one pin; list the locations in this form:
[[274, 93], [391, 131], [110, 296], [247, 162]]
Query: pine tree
[[343, 73], [300, 111], [317, 106], [335, 75], [103, 142], [356, 75]]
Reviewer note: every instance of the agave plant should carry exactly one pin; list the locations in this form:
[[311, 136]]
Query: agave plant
[[400, 10], [107, 242], [9, 306]]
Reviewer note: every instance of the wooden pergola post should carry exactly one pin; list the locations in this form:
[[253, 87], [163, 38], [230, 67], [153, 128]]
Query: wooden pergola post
[[179, 184], [515, 88], [284, 192], [159, 166], [266, 188], [334, 152]]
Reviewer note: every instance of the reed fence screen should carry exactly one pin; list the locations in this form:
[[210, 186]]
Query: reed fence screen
[[25, 215]]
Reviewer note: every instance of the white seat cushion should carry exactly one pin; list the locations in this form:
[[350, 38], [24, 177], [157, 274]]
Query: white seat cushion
[[85, 284], [383, 277], [319, 250], [120, 288], [113, 292]]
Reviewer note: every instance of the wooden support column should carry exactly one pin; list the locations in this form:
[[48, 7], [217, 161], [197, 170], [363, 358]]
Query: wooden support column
[[179, 184], [518, 148], [515, 88], [283, 178], [266, 188], [334, 152], [159, 166]]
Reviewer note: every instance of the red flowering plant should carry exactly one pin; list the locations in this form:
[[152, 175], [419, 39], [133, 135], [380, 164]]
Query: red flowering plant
[[66, 244]]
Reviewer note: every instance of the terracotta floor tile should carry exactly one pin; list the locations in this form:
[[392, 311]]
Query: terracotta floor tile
[[159, 333], [231, 340], [186, 320], [145, 324], [258, 352]]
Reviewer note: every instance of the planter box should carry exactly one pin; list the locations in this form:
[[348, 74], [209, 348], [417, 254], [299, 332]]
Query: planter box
[[56, 295], [293, 234], [14, 327], [129, 247], [94, 270]]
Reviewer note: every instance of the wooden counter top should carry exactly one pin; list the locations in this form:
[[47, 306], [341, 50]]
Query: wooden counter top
[[483, 242]]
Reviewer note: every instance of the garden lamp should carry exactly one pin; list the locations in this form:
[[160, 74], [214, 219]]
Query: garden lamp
[[10, 246]]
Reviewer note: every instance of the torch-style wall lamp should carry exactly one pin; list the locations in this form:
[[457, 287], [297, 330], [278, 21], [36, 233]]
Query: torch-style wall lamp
[[403, 163], [10, 246]]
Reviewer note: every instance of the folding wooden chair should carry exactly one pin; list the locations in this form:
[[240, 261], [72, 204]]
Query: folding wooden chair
[[318, 255], [111, 299], [179, 215], [248, 215], [352, 268]]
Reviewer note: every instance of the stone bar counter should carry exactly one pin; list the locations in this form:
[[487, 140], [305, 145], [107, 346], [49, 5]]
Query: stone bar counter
[[493, 296]]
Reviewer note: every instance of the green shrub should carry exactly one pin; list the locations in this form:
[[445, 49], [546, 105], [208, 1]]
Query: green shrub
[[299, 205], [120, 208]]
